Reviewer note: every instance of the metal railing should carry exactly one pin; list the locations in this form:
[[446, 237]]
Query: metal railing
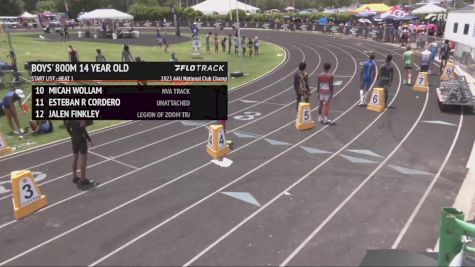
[[455, 234]]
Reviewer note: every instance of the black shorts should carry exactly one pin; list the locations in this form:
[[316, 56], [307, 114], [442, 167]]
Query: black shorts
[[424, 68], [383, 84], [408, 68], [79, 145]]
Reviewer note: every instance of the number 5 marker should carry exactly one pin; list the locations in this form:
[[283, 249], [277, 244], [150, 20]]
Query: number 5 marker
[[304, 118]]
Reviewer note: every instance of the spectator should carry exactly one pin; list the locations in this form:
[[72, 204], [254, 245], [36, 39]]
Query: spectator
[[159, 38], [165, 41], [99, 56], [41, 127], [256, 46], [207, 41], [236, 45], [73, 54], [243, 46], [8, 107], [230, 43], [223, 44], [126, 55], [66, 32], [216, 43], [250, 45], [173, 57]]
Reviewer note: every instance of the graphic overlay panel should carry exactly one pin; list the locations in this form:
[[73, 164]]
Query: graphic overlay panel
[[160, 102], [53, 72], [129, 91]]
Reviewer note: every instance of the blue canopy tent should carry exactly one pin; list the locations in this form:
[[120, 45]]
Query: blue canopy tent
[[323, 21]]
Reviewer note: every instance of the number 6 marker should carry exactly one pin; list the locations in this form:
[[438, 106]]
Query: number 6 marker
[[377, 100]]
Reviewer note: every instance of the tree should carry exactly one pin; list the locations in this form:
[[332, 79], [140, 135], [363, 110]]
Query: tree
[[46, 5], [11, 7], [30, 5]]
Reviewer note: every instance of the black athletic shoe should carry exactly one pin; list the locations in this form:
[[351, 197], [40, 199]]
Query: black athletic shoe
[[86, 182], [76, 179]]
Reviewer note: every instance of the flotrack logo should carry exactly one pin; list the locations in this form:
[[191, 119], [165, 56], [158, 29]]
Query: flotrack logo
[[200, 67]]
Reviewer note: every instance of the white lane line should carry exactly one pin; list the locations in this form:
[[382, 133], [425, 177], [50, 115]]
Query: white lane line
[[113, 160], [361, 185], [224, 236], [170, 156], [429, 188], [95, 147], [62, 141], [237, 179], [221, 238], [271, 103], [283, 63], [166, 124], [144, 194]]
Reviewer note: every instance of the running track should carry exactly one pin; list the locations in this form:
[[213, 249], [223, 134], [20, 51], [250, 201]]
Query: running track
[[160, 200]]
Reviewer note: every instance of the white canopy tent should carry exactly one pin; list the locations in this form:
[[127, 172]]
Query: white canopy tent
[[102, 14], [429, 8], [223, 7], [27, 15]]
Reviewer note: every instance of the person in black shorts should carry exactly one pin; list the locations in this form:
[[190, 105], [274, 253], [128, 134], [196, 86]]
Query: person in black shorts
[[444, 55], [385, 77], [79, 139], [66, 32]]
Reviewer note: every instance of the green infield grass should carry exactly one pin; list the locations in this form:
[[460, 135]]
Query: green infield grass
[[29, 47]]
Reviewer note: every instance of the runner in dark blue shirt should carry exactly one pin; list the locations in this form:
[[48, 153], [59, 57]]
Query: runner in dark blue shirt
[[367, 74]]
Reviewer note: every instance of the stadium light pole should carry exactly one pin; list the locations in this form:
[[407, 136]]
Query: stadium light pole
[[238, 73]]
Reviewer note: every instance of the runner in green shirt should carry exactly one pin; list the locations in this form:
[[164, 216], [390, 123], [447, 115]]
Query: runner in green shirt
[[408, 61]]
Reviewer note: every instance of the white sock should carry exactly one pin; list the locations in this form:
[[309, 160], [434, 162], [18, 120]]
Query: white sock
[[409, 81], [362, 96]]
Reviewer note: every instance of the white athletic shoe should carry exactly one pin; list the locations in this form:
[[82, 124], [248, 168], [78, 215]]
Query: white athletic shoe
[[16, 132], [320, 119]]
